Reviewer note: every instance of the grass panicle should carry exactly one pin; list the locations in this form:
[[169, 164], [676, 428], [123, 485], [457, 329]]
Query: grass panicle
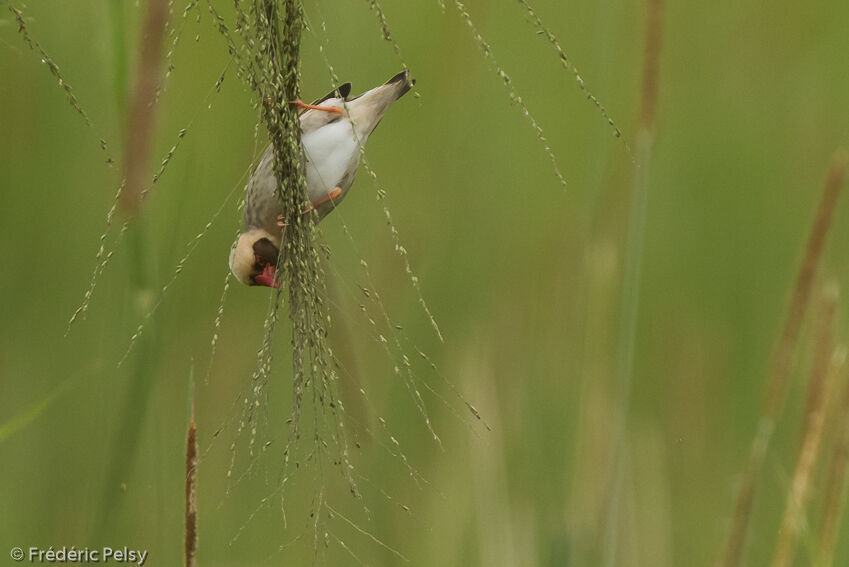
[[266, 52], [191, 516]]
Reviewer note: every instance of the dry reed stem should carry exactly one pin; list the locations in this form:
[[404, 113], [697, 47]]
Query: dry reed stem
[[779, 372], [191, 495], [632, 270], [140, 118], [651, 63], [834, 497], [777, 384], [141, 114], [823, 370]]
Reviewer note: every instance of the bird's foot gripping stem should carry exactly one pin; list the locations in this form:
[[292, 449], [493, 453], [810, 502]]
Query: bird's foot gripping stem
[[304, 106], [331, 196], [335, 194]]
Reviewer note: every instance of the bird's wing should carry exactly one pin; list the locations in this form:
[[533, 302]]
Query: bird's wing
[[311, 120], [342, 92], [259, 194], [261, 203]]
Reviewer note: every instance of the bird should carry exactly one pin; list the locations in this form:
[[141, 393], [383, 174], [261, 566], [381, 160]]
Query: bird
[[334, 128]]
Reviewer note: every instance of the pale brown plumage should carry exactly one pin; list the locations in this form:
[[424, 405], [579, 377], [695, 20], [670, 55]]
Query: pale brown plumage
[[331, 142]]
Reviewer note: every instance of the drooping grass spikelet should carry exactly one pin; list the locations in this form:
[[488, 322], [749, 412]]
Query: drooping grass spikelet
[[216, 326], [511, 90], [567, 64], [384, 29], [178, 269], [381, 194], [101, 260], [54, 70], [402, 367], [400, 249], [102, 257], [367, 534], [175, 34], [407, 375]]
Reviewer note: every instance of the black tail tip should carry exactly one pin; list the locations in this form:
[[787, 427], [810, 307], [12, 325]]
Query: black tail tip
[[403, 77]]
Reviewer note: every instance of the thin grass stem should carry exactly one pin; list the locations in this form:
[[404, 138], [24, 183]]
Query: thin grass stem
[[834, 496], [823, 371], [633, 264], [779, 371]]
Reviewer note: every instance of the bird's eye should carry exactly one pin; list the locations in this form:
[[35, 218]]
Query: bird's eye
[[265, 252]]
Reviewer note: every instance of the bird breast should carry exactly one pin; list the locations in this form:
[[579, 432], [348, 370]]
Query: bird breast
[[332, 155]]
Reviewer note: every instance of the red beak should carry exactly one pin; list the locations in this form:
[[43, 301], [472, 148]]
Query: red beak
[[266, 278]]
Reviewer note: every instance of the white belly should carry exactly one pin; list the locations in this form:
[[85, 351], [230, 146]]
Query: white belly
[[332, 156]]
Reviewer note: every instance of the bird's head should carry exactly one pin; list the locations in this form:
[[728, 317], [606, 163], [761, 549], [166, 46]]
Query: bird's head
[[253, 258]]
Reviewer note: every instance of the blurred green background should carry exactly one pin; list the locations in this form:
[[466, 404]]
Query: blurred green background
[[522, 276]]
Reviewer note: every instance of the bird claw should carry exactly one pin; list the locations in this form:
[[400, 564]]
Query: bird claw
[[304, 106], [329, 197]]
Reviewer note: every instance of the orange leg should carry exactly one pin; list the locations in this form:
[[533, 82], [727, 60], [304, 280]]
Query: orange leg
[[329, 197], [304, 106]]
